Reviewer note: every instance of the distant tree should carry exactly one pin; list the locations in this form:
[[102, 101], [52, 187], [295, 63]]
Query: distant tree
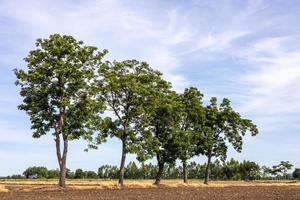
[[222, 124], [132, 171], [91, 175], [266, 171], [69, 174], [217, 170], [195, 171], [171, 171], [231, 170], [281, 169], [148, 171], [249, 170], [53, 173], [108, 171], [296, 173], [127, 88], [16, 176], [79, 174], [57, 91], [36, 172]]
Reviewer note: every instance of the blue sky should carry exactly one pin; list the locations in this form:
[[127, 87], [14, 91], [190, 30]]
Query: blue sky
[[247, 51]]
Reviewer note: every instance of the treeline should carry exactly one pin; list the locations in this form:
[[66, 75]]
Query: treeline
[[70, 92], [230, 170]]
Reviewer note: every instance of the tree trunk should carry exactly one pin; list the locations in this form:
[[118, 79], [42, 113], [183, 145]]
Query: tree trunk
[[159, 172], [207, 171], [122, 165], [62, 159], [184, 171]]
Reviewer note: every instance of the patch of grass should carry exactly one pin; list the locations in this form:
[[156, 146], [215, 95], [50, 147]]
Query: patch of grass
[[82, 184]]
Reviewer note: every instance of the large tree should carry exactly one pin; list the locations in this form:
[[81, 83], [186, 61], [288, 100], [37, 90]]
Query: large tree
[[57, 91], [160, 138], [221, 126], [128, 88]]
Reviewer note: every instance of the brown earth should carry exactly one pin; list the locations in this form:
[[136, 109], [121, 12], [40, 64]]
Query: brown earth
[[144, 189], [212, 193]]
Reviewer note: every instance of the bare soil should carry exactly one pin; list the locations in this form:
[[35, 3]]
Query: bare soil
[[211, 193]]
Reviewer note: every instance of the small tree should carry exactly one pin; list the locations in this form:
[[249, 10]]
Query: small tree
[[281, 169], [296, 173], [53, 173], [91, 174], [57, 92], [221, 124], [36, 172], [249, 170], [79, 174], [231, 169]]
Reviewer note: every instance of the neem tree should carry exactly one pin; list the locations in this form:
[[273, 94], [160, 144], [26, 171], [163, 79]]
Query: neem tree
[[189, 121], [159, 137], [222, 125], [128, 88], [56, 91]]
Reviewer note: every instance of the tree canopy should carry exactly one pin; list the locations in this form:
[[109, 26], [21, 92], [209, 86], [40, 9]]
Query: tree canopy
[[57, 91]]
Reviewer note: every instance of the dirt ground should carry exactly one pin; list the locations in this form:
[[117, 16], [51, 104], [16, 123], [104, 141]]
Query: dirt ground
[[230, 193], [97, 190]]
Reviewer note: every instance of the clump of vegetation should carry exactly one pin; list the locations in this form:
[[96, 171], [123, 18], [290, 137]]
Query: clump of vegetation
[[67, 88]]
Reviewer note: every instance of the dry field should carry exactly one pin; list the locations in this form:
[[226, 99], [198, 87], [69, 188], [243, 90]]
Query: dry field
[[143, 189]]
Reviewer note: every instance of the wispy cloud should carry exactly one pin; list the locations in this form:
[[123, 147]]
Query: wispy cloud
[[244, 50]]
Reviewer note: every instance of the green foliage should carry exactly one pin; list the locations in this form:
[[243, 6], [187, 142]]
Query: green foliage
[[108, 171], [36, 172], [190, 114], [91, 175], [58, 84], [229, 170], [53, 173], [58, 91], [281, 169], [67, 87], [161, 138], [79, 174], [249, 170], [296, 173], [128, 88], [69, 174], [222, 124]]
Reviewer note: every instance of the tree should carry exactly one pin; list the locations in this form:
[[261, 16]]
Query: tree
[[132, 171], [221, 124], [91, 175], [296, 173], [36, 172], [281, 169], [190, 108], [266, 171], [79, 174], [231, 169], [159, 138], [57, 91], [53, 173], [249, 170], [127, 88]]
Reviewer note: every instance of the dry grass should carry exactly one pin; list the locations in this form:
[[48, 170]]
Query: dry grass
[[3, 188], [37, 185]]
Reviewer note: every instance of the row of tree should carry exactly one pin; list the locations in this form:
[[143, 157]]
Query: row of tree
[[71, 93], [230, 170]]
